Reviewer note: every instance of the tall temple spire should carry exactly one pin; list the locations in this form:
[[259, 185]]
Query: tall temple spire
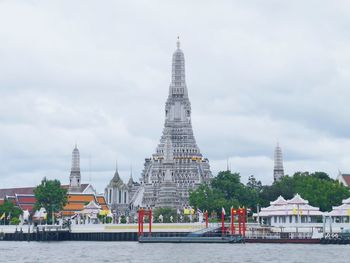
[[278, 170], [178, 81], [116, 174], [177, 166], [131, 180], [75, 159], [75, 176]]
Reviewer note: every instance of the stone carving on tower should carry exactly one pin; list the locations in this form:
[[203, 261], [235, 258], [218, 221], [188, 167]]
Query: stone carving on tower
[[75, 176], [177, 165], [278, 171]]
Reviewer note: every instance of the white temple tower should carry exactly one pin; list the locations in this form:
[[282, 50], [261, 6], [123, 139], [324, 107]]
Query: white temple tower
[[75, 176], [177, 165], [278, 170]]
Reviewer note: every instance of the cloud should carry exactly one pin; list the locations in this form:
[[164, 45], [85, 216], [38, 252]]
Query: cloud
[[98, 74]]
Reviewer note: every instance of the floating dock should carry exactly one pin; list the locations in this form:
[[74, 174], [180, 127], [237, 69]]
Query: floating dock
[[191, 239]]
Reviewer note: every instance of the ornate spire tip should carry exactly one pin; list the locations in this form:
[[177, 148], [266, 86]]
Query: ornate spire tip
[[178, 42]]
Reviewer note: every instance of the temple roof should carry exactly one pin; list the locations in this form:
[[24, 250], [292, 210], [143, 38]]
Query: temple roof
[[346, 179], [297, 200], [341, 210], [279, 201], [294, 206], [102, 202], [25, 202], [13, 191], [346, 201], [78, 202]]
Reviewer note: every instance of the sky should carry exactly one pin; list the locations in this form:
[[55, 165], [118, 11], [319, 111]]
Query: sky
[[97, 73]]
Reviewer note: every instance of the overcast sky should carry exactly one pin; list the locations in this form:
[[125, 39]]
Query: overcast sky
[[97, 73]]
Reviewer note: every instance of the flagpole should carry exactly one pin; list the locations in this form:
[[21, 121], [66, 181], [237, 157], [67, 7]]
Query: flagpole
[[222, 221]]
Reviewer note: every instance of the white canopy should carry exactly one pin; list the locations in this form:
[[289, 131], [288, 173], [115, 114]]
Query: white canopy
[[342, 210], [294, 206]]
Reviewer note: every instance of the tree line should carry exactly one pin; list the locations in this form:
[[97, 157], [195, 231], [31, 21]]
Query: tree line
[[226, 190]]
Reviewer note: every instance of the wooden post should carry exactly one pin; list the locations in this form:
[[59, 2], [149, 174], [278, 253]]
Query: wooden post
[[244, 217], [150, 221], [222, 223], [206, 219], [240, 221], [139, 223], [233, 212], [142, 218]]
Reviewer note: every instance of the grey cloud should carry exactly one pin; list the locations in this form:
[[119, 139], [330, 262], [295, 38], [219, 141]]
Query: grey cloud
[[98, 74]]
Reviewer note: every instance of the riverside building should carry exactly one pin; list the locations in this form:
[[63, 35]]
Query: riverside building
[[283, 212]]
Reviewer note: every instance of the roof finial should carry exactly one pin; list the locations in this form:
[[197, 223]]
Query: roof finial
[[116, 165], [178, 42]]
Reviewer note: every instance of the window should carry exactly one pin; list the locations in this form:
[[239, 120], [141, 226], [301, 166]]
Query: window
[[110, 196], [120, 196], [125, 198]]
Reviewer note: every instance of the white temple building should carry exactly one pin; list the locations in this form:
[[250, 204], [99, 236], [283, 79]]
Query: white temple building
[[283, 212], [341, 214]]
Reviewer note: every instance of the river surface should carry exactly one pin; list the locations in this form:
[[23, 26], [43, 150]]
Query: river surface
[[79, 251]]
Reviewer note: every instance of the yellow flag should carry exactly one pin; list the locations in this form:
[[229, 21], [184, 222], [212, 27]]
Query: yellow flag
[[294, 211], [300, 212], [45, 216], [3, 216], [349, 212], [186, 211]]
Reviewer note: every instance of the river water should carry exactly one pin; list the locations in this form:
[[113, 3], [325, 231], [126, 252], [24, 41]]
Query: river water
[[78, 251]]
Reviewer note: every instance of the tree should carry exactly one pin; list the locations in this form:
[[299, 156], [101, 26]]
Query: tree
[[225, 190], [318, 188], [50, 195], [254, 184], [11, 211]]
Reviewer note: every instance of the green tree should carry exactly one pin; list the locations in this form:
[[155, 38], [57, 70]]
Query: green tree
[[254, 184], [318, 188], [50, 195], [225, 190], [9, 209]]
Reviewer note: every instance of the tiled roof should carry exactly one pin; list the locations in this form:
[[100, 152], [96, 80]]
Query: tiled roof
[[14, 191], [346, 178], [29, 190], [25, 202], [80, 197], [102, 202], [82, 187], [76, 202]]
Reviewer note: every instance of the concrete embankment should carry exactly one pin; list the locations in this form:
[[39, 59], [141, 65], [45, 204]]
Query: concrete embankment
[[101, 232]]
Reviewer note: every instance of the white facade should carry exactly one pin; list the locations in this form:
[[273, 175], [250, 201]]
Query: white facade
[[283, 212], [341, 214], [117, 195]]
